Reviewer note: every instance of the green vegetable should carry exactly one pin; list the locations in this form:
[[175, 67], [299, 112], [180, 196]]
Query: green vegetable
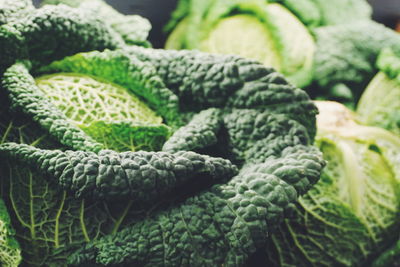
[[140, 176], [379, 104], [37, 35], [227, 223], [200, 132], [321, 13], [272, 32], [346, 56], [329, 47], [12, 10], [47, 219], [351, 215], [76, 122], [133, 29], [137, 76], [266, 32], [248, 112], [307, 11], [10, 252], [29, 100], [270, 142], [389, 257], [102, 109], [201, 80], [51, 222], [219, 227]]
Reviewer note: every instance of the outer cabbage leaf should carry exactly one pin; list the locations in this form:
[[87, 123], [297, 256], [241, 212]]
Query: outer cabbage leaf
[[53, 32], [350, 215], [305, 10], [380, 103], [12, 10], [223, 224], [256, 41], [134, 29]]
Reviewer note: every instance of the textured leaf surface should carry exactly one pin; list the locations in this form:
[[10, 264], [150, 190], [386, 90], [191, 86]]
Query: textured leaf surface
[[10, 252], [350, 215], [27, 98], [12, 10], [45, 218], [199, 133], [265, 125], [134, 29], [226, 223], [128, 136], [346, 55], [50, 222], [53, 32], [202, 80], [99, 98], [86, 99], [142, 177]]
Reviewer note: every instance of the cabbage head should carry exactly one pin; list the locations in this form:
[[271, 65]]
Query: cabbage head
[[277, 33], [352, 214], [380, 102], [255, 29]]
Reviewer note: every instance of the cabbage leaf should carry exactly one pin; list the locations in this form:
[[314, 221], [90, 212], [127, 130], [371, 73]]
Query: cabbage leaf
[[380, 102]]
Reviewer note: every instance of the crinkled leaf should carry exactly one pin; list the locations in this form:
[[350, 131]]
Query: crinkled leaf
[[134, 29], [46, 219], [109, 113], [350, 215]]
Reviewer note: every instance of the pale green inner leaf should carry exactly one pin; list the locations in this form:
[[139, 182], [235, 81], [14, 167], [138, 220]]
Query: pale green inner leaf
[[380, 104], [107, 112], [246, 36], [86, 99], [276, 39], [176, 40], [296, 43], [366, 183]]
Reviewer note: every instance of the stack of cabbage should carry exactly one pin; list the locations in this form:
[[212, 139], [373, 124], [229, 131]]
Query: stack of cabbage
[[117, 154], [328, 47], [114, 154]]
